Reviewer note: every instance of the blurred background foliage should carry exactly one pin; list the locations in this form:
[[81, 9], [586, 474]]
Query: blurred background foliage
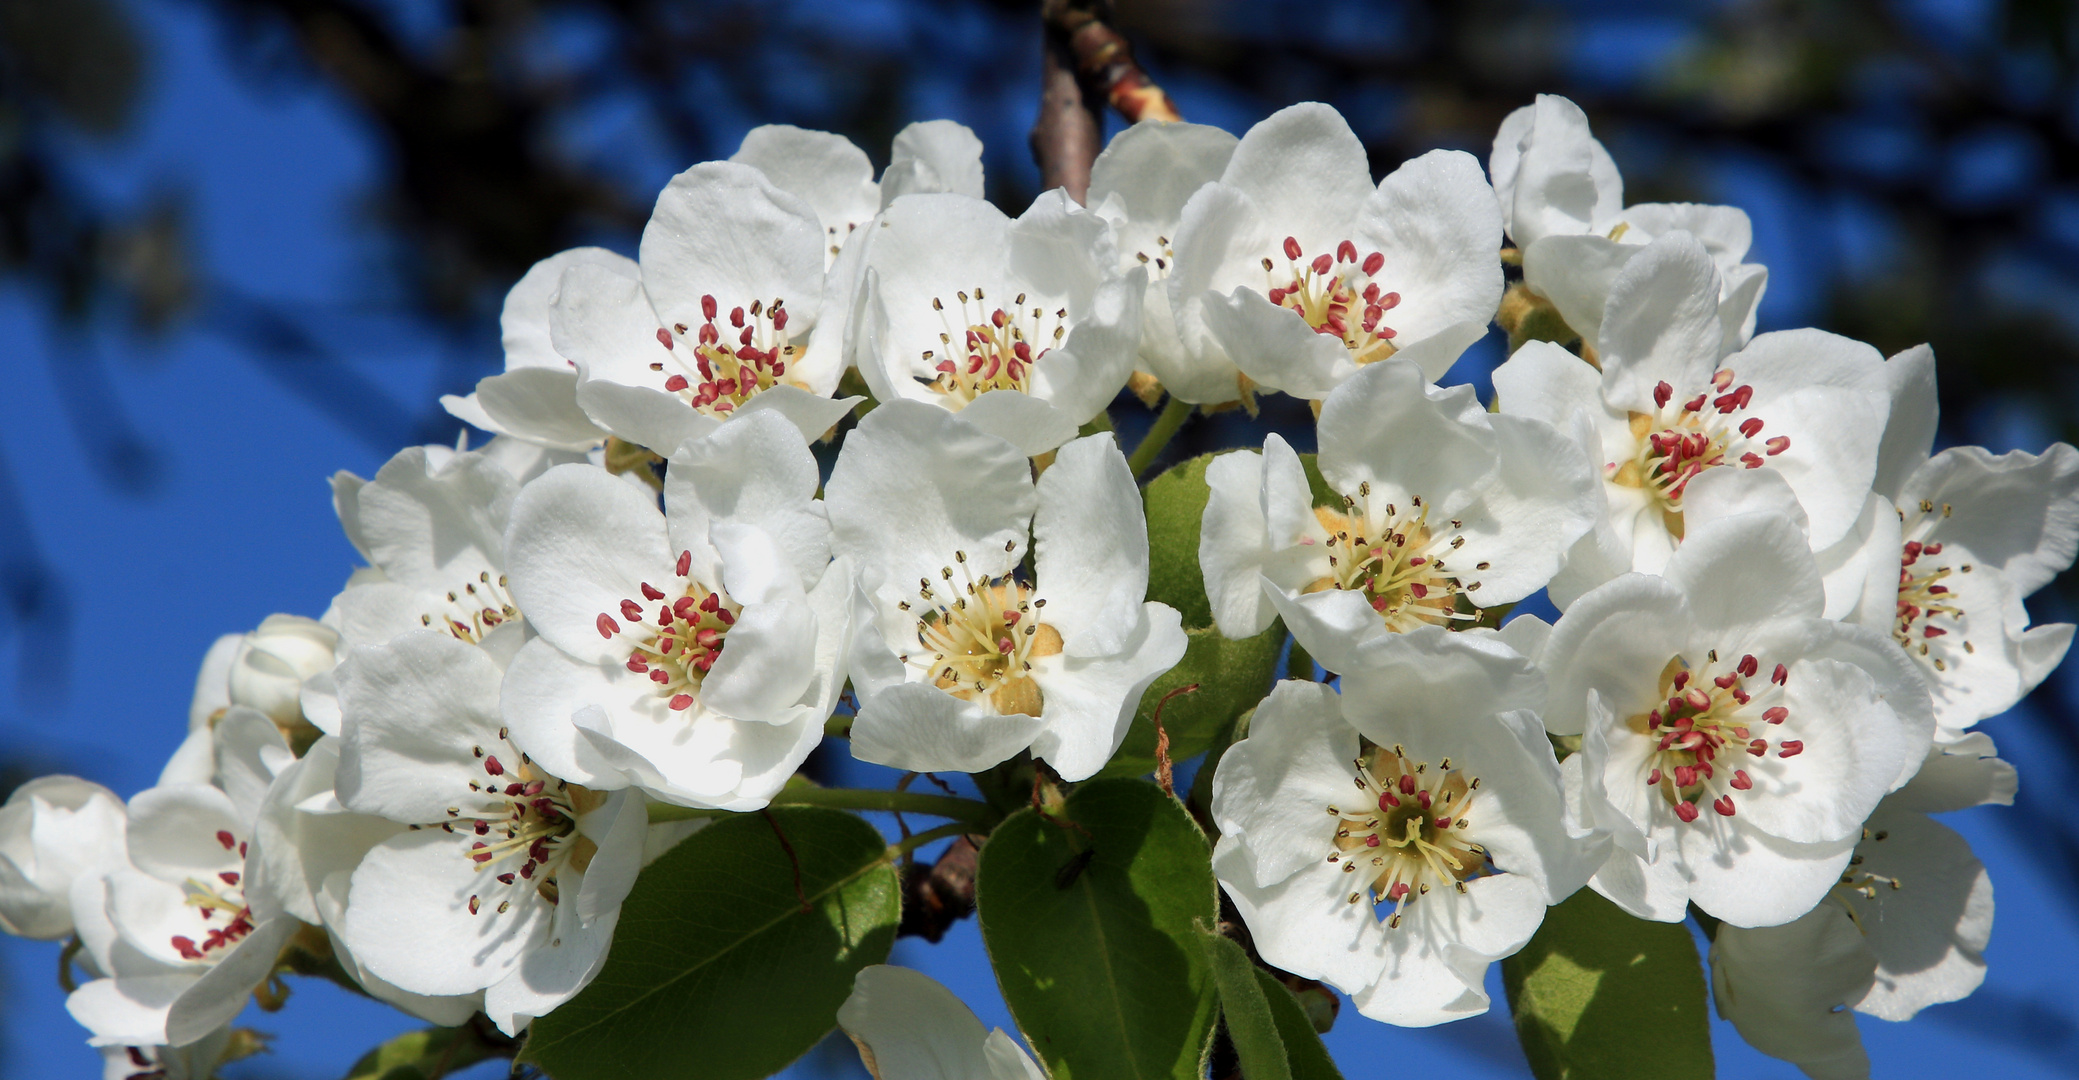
[[1912, 167]]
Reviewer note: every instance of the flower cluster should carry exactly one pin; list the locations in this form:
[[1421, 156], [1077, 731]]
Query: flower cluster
[[1781, 612]]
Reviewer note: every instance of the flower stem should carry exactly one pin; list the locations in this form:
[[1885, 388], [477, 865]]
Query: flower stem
[[1173, 416], [968, 812], [912, 843]]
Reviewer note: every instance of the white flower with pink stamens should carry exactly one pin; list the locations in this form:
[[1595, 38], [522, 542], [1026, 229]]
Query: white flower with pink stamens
[[711, 323], [694, 653], [1562, 202], [170, 928], [1022, 327], [960, 662], [506, 879], [1395, 839], [1293, 270], [1443, 509], [1905, 927], [1732, 740], [1791, 423]]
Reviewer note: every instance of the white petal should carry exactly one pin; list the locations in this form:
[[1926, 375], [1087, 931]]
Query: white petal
[[933, 155], [1553, 175], [1437, 961], [1660, 324], [176, 832], [824, 170], [646, 416], [723, 229], [813, 414], [754, 471], [1615, 641], [1576, 273], [1273, 788], [1719, 568], [540, 405], [1088, 702], [415, 711], [1786, 987], [579, 543], [221, 993], [524, 322], [1909, 435], [2017, 511], [1092, 553], [1031, 424], [919, 727], [908, 1027], [1153, 168], [1958, 776], [408, 918], [1438, 225], [1307, 170], [1749, 878], [1929, 933], [437, 528], [1233, 543], [1274, 346]]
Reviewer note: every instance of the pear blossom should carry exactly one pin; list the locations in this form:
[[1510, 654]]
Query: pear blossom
[[507, 878], [1732, 740], [1791, 423], [909, 1027], [1140, 183], [834, 177], [958, 661], [1293, 270], [1904, 928], [1021, 327], [693, 653], [713, 320], [171, 929], [54, 830], [1444, 857], [534, 400], [1562, 202], [1442, 509]]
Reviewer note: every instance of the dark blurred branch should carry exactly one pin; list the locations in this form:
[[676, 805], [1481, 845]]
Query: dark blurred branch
[[1085, 64], [937, 896]]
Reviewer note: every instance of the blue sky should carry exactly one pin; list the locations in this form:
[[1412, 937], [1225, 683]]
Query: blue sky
[[242, 527]]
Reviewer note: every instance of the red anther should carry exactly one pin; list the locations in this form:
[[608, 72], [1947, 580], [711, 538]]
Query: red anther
[[663, 615], [1418, 590], [1695, 404], [683, 607], [685, 562], [1725, 403], [1653, 719], [708, 334], [723, 614], [483, 828], [1725, 681], [1335, 323], [607, 626], [711, 638], [676, 383], [1387, 801], [631, 611], [1372, 314], [1740, 694], [1685, 775], [736, 317], [1933, 632], [1386, 332], [1751, 426], [1423, 798], [1277, 297], [658, 675], [1686, 811], [1751, 460], [710, 603], [1291, 248], [186, 947], [1790, 748], [1372, 840], [1373, 263], [1346, 252], [1022, 351], [1399, 889], [1662, 394], [514, 789], [473, 902], [505, 879], [1681, 680], [492, 766], [1653, 777], [667, 646], [1937, 590], [225, 838], [948, 367], [527, 869], [1371, 293], [1722, 378], [995, 365], [1723, 804], [228, 877], [779, 318], [1932, 549], [1005, 645], [1378, 603], [1390, 301], [1781, 675], [704, 661], [1697, 699], [1010, 618], [1775, 715], [707, 307], [975, 362], [664, 338], [1748, 665], [1407, 784], [999, 319], [539, 850], [681, 702], [726, 387], [1444, 822], [1322, 264], [1778, 444], [1741, 781], [1758, 747]]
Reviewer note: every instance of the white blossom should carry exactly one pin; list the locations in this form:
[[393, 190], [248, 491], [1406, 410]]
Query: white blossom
[[1439, 502], [534, 399], [1562, 202], [959, 662], [693, 653], [909, 1027], [54, 830], [1022, 327], [1444, 857], [1733, 740], [506, 879], [1791, 423], [1293, 270]]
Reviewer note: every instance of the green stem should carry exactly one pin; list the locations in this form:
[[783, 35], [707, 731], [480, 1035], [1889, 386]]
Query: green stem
[[904, 847], [969, 812], [1173, 416]]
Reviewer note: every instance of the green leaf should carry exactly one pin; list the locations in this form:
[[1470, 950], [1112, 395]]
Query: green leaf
[[1232, 676], [1599, 994], [1258, 1045], [1175, 504], [1317, 485], [716, 972], [423, 1055], [1304, 1053], [1091, 922]]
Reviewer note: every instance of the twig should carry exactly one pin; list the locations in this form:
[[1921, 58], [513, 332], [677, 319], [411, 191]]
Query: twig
[[1162, 763], [792, 860], [935, 899], [1070, 129], [1104, 59]]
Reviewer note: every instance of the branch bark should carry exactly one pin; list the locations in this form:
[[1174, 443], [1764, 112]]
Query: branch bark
[[1086, 65]]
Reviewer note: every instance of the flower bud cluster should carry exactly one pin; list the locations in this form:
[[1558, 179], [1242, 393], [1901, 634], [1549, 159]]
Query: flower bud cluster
[[1781, 613]]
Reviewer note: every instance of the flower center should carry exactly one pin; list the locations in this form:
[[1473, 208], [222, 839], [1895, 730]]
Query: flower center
[[1395, 561], [995, 350], [1336, 296], [220, 905], [1924, 602], [475, 611], [1857, 882], [1160, 261], [1704, 717], [977, 640], [675, 646], [520, 813], [724, 376], [1676, 442], [1406, 836]]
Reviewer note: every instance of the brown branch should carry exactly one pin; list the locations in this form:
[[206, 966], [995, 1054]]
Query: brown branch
[[1085, 64], [934, 899], [1104, 60]]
